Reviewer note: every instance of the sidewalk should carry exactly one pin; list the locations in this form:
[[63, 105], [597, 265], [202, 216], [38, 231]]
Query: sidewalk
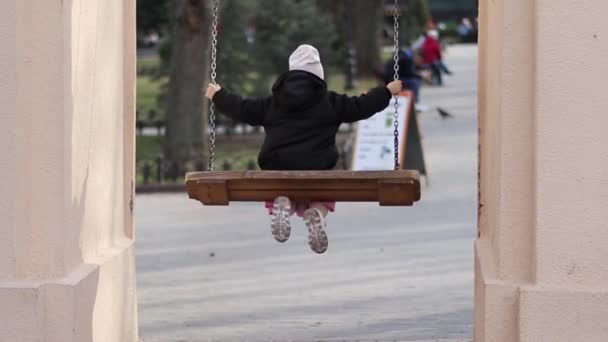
[[391, 274]]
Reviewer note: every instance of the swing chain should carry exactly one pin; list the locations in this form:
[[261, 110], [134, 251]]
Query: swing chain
[[396, 15], [216, 5], [212, 137]]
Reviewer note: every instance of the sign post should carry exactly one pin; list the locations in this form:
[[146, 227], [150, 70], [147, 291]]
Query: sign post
[[373, 147]]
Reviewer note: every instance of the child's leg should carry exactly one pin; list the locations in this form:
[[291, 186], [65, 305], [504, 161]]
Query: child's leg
[[437, 76], [280, 210], [320, 206], [314, 218], [268, 205], [444, 68]]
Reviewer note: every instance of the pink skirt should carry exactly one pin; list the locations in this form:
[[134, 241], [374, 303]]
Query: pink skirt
[[300, 208]]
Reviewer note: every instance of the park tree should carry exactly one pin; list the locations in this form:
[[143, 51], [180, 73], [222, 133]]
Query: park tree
[[243, 65], [189, 68], [152, 15], [282, 25], [235, 63], [333, 8], [419, 14], [368, 21]]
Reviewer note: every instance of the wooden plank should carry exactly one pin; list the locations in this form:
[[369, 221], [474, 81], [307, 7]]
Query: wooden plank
[[332, 174], [211, 192], [302, 184], [386, 187], [304, 195], [391, 193]]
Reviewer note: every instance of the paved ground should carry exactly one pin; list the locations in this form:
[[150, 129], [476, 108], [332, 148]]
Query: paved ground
[[390, 273]]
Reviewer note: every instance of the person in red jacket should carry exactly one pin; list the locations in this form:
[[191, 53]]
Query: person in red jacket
[[431, 55]]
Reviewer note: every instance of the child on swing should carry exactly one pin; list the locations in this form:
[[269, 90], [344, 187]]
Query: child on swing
[[301, 120]]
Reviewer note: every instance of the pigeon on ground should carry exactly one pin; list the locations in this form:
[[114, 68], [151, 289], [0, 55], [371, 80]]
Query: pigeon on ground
[[444, 114]]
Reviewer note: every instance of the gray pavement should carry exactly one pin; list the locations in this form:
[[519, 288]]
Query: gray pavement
[[406, 274]]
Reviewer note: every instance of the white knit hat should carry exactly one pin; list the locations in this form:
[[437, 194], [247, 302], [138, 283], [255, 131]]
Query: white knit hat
[[306, 58]]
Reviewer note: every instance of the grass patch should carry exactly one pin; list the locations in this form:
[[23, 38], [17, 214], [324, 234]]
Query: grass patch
[[337, 81], [149, 88], [238, 158], [387, 54], [145, 65], [148, 91], [148, 147]]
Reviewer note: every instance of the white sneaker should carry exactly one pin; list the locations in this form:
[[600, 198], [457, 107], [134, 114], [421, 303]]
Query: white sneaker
[[279, 219], [317, 238]]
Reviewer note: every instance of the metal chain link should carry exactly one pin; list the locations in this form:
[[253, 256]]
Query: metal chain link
[[396, 15], [216, 6]]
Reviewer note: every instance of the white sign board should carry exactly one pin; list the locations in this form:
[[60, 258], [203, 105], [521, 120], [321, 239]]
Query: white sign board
[[374, 140]]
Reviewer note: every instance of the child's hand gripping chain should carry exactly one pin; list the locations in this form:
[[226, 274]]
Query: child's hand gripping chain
[[211, 90]]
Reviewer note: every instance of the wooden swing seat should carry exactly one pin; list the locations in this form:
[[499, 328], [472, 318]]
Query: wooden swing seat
[[388, 188]]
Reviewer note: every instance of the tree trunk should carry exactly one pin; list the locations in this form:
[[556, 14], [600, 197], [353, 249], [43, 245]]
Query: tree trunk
[[420, 15], [335, 8], [368, 23], [187, 111]]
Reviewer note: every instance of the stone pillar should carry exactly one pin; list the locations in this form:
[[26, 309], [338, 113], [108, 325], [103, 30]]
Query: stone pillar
[[67, 82], [541, 259]]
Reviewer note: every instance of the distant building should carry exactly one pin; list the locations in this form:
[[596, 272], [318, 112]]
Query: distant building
[[440, 10], [453, 10]]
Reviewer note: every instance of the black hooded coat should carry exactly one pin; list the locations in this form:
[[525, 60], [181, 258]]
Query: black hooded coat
[[301, 119]]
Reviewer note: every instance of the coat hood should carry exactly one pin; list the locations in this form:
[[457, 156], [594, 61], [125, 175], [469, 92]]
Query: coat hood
[[298, 90]]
